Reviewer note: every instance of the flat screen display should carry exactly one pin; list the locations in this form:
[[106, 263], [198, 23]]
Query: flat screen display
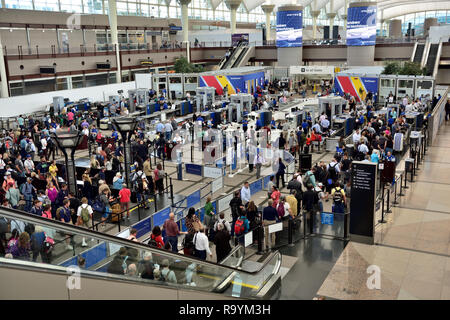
[[361, 26], [289, 28]]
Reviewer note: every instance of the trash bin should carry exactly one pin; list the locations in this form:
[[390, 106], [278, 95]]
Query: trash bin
[[409, 164], [350, 149]]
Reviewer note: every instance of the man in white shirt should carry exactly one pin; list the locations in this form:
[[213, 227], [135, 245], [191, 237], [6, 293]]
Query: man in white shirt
[[405, 100], [29, 164], [201, 245], [245, 193], [363, 148], [356, 137], [325, 124], [317, 127]]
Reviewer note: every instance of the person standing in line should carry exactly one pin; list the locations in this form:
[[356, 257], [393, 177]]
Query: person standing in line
[[310, 200], [124, 196], [222, 242], [84, 214], [270, 216], [172, 232], [245, 193], [201, 245]]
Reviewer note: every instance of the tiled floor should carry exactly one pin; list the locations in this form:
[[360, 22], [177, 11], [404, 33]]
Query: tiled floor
[[413, 249]]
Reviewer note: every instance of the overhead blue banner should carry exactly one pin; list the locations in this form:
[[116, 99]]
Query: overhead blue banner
[[193, 169], [289, 28], [361, 26]]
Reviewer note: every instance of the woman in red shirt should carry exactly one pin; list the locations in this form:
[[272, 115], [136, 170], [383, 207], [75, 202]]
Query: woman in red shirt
[[275, 196], [156, 237], [124, 196]]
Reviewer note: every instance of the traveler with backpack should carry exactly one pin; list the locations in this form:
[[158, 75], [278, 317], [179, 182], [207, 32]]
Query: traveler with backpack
[[84, 216], [333, 170], [236, 209], [339, 199], [309, 177], [156, 239], [21, 249], [225, 223], [241, 227]]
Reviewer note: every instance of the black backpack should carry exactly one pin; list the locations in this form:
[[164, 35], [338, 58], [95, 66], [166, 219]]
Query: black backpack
[[188, 241], [332, 172]]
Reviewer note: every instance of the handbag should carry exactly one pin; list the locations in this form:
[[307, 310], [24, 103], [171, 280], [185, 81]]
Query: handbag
[[197, 225]]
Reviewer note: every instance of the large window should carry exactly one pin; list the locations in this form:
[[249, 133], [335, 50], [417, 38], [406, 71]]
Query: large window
[[19, 4], [46, 5]]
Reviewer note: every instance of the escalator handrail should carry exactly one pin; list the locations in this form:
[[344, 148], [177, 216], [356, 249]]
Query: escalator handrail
[[241, 56], [10, 213], [85, 273]]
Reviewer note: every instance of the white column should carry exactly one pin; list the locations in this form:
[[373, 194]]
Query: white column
[[268, 9], [103, 7], [233, 20], [3, 4], [315, 14], [185, 25], [112, 15], [233, 5], [4, 82]]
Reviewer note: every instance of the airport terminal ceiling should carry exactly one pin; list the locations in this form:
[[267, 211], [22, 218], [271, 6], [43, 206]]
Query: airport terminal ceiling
[[249, 11]]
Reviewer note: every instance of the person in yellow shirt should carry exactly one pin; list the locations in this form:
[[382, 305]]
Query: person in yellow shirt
[[292, 203], [339, 200], [53, 169]]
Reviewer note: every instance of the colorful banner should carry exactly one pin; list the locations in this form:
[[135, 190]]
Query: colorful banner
[[361, 26], [357, 87], [289, 28], [236, 37], [234, 83]]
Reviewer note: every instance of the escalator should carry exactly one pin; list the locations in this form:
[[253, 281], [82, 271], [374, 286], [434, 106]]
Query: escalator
[[418, 53], [235, 54], [244, 57], [433, 59], [190, 278]]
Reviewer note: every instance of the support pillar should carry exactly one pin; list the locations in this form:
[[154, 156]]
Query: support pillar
[[290, 53], [4, 93], [314, 15], [360, 48], [395, 29], [27, 31], [233, 5], [268, 9], [331, 16], [112, 16], [185, 25]]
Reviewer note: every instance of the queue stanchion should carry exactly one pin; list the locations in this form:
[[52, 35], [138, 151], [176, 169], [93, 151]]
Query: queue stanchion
[[290, 231], [382, 205], [346, 225], [401, 186], [171, 191], [389, 200], [395, 194], [154, 201], [260, 239]]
